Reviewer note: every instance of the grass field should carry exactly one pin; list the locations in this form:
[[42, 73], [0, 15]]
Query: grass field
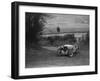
[[46, 56]]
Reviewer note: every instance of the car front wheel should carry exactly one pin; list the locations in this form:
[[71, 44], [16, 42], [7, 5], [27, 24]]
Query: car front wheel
[[71, 54]]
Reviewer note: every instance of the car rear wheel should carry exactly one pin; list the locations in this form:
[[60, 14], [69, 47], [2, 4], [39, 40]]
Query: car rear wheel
[[59, 52]]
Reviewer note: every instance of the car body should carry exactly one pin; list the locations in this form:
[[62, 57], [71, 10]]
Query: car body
[[68, 49]]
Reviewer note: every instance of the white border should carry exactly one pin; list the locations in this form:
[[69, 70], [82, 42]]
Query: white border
[[53, 70]]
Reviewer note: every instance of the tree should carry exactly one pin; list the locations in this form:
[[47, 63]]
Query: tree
[[34, 26]]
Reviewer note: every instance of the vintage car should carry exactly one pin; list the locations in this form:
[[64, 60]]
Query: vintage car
[[69, 50]]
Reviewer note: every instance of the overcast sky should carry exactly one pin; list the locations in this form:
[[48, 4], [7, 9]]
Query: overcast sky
[[68, 22]]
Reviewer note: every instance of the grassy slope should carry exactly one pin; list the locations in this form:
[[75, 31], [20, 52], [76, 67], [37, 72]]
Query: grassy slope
[[43, 57]]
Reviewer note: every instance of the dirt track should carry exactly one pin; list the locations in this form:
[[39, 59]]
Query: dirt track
[[47, 57]]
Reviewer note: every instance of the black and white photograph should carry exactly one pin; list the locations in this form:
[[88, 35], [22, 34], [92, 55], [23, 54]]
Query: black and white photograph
[[51, 40], [56, 40]]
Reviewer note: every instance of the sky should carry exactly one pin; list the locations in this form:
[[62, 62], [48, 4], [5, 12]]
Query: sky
[[67, 23]]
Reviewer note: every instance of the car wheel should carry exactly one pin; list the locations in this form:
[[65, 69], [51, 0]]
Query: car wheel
[[58, 52], [71, 54]]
